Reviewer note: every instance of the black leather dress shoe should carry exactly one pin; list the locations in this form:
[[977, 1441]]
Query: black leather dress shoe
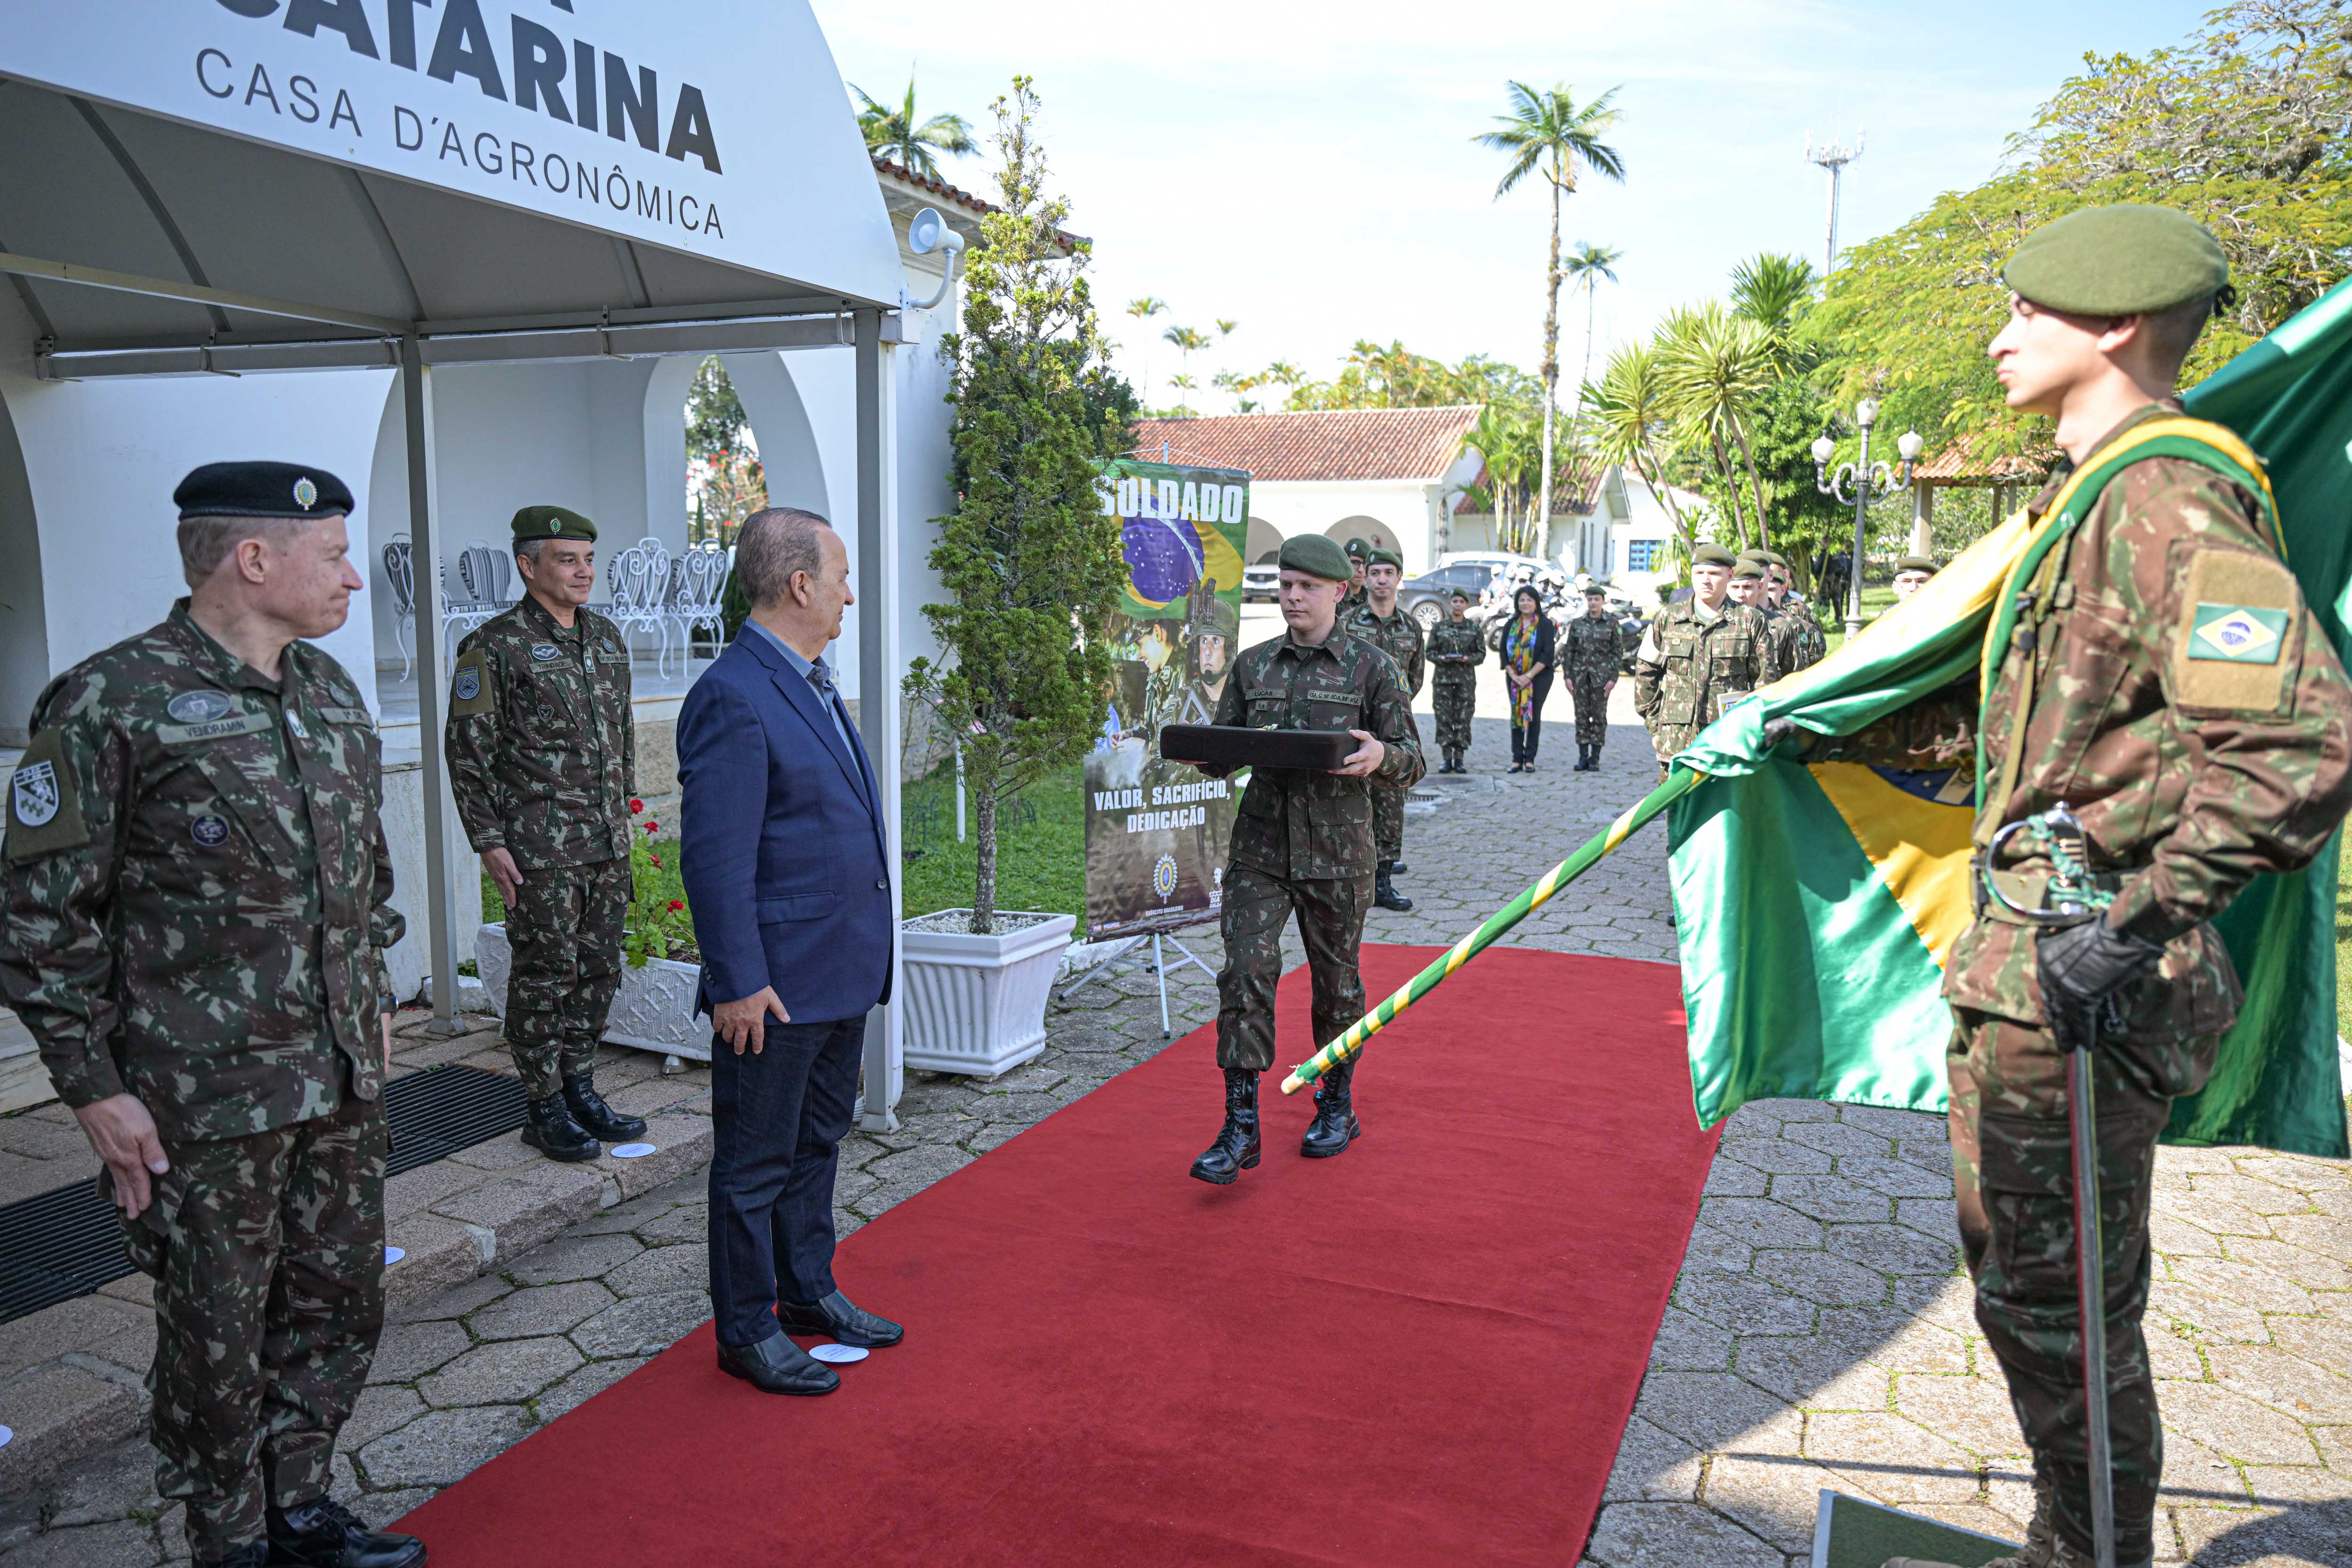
[[839, 1319], [776, 1365], [322, 1533], [252, 1554]]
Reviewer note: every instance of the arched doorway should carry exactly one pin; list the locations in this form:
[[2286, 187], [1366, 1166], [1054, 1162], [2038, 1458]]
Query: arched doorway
[[1371, 529], [1264, 546]]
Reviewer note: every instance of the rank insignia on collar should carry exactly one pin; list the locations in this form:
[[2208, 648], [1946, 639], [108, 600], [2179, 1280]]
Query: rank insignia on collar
[[199, 706], [306, 494]]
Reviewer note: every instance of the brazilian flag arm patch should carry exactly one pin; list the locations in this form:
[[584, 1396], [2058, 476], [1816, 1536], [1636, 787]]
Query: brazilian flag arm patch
[[2239, 641], [2243, 633]]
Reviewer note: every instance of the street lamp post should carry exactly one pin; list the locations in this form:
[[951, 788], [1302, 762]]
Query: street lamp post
[[1868, 482]]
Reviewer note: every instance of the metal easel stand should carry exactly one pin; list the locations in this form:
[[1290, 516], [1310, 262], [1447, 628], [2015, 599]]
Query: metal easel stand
[[1125, 956]]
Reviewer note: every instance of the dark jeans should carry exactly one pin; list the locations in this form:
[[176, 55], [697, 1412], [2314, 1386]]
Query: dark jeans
[[777, 1117], [1523, 742]]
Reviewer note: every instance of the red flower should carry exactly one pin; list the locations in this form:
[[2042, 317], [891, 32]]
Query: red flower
[[635, 806], [676, 904], [652, 829]]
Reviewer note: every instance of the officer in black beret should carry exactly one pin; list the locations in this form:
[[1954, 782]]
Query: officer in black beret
[[195, 898], [542, 762]]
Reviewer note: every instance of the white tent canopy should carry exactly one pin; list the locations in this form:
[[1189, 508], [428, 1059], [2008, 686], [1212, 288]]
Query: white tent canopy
[[260, 186]]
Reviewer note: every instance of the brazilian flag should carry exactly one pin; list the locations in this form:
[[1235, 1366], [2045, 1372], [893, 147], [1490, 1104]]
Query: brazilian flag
[[1816, 904]]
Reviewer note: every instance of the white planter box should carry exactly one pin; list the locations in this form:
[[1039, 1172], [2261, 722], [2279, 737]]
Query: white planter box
[[653, 1010], [976, 1004]]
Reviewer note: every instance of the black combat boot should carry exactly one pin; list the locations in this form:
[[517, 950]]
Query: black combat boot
[[252, 1554], [548, 1127], [599, 1119], [322, 1533], [1334, 1125], [1384, 891], [1236, 1148]]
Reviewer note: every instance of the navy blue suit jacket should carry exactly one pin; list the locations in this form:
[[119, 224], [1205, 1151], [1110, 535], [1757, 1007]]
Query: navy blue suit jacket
[[784, 853]]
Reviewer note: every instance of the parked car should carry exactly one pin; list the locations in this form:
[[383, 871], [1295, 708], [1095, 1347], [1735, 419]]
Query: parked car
[[1261, 584], [1426, 594]]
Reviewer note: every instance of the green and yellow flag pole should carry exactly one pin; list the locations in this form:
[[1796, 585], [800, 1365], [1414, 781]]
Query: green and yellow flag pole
[[1678, 784]]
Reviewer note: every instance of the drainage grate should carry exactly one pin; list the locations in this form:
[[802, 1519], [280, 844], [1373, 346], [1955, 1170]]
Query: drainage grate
[[65, 1243]]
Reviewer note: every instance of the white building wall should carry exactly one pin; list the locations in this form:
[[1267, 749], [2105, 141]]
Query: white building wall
[[1404, 511]]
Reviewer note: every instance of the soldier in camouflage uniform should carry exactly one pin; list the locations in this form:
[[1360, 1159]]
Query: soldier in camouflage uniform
[[542, 758], [1911, 575], [1359, 559], [1698, 656], [1590, 655], [194, 901], [1303, 843], [1456, 648], [1750, 586], [1809, 646], [2195, 763], [1379, 622]]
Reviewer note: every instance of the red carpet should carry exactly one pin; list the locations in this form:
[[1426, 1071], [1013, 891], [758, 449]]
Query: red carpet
[[1420, 1352]]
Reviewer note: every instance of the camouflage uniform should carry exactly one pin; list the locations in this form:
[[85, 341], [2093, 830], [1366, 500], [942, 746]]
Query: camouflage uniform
[[1456, 649], [196, 894], [1398, 634], [542, 758], [2191, 775], [1303, 841], [1692, 665], [1807, 645], [1591, 654]]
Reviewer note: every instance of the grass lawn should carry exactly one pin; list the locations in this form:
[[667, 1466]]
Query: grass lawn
[[1041, 853], [1875, 602]]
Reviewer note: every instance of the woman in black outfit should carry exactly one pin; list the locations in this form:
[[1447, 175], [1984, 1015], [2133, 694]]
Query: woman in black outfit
[[1527, 660]]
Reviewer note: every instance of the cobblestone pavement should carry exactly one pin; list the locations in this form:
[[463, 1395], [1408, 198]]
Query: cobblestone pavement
[[1819, 1333]]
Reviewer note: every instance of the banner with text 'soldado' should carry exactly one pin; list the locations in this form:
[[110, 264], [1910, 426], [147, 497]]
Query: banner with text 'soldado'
[[1157, 831]]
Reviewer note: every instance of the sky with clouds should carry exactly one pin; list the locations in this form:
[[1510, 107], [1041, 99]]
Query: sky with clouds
[[1304, 167]]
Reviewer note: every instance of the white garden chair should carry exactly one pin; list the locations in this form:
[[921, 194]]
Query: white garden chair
[[399, 576], [702, 575], [484, 577], [639, 578]]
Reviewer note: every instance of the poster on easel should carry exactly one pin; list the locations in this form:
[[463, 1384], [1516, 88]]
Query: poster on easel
[[1157, 831]]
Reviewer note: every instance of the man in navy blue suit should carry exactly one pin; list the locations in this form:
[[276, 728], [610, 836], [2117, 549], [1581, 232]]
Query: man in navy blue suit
[[786, 868]]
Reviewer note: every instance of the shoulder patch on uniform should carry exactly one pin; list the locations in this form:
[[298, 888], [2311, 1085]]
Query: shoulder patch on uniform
[[2238, 620], [44, 814], [469, 687]]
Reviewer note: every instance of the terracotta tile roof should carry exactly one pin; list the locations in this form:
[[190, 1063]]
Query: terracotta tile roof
[[1322, 444], [1575, 490], [1957, 464], [953, 195]]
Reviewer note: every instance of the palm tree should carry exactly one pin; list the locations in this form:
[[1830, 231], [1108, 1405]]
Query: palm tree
[[1183, 385], [1635, 424], [1590, 265], [1716, 367], [1505, 439], [1545, 133], [897, 135], [1186, 341], [1143, 309], [1774, 291]]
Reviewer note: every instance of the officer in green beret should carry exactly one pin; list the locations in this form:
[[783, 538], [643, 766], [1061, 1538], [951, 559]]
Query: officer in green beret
[[1807, 643], [1378, 620], [195, 898], [1911, 575], [542, 760], [2169, 685], [1699, 655], [1303, 846], [1359, 558]]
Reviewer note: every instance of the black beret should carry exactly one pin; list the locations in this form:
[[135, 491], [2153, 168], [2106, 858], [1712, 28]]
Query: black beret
[[552, 522], [261, 490], [1315, 553], [1713, 556], [2117, 260]]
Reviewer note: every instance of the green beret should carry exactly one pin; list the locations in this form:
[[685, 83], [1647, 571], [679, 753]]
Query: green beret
[[1915, 564], [1358, 549], [1774, 558], [261, 490], [2117, 261], [1461, 594], [552, 522], [1713, 556], [1315, 553], [1749, 567], [1378, 557]]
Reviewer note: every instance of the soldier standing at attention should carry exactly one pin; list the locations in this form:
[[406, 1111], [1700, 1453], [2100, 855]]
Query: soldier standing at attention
[[1911, 575], [2168, 683], [1379, 622], [1456, 648], [194, 901], [1750, 585], [1359, 555], [1303, 843], [1809, 646], [542, 758], [1590, 655], [1697, 656]]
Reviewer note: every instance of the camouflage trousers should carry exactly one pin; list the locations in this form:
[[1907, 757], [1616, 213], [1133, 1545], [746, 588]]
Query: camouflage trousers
[[1388, 823], [1591, 694], [2013, 1177], [1456, 702], [267, 1256], [566, 931], [1330, 922]]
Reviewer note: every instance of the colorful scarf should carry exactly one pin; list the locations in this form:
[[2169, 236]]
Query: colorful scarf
[[1519, 653]]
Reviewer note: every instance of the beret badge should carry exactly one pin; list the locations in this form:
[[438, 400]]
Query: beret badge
[[306, 494]]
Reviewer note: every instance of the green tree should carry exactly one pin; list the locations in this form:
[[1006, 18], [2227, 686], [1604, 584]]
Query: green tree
[[1775, 291], [1634, 424], [1187, 341], [1546, 134], [905, 138], [1143, 309], [725, 479], [1588, 265], [1715, 369], [1031, 565]]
